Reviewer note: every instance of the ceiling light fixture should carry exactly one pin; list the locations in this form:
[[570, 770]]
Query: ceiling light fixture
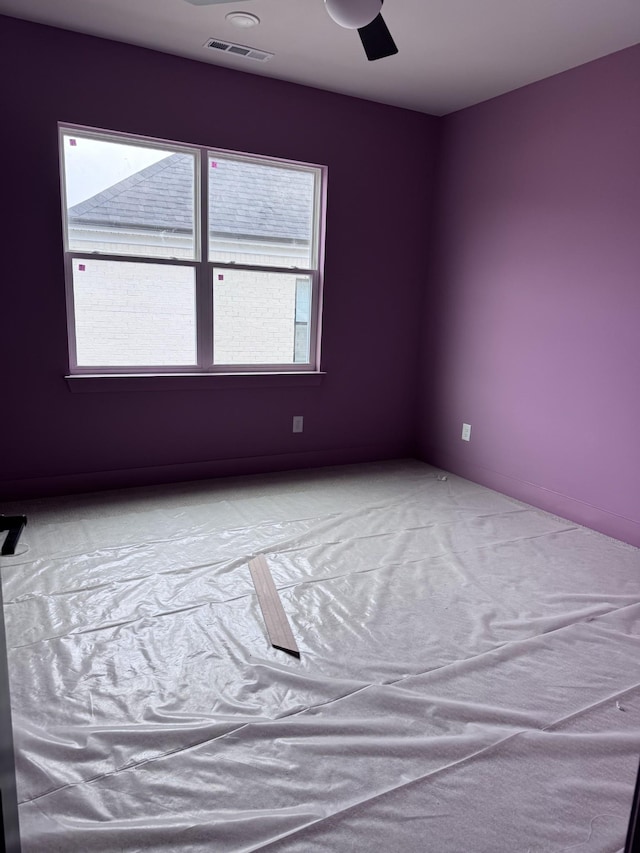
[[242, 19], [353, 14]]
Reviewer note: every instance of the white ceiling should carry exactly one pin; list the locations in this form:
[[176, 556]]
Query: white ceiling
[[453, 53]]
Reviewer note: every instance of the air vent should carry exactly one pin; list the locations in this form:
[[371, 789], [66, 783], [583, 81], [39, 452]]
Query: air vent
[[239, 50]]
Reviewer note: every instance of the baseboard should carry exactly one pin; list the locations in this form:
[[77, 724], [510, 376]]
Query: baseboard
[[573, 509], [93, 481]]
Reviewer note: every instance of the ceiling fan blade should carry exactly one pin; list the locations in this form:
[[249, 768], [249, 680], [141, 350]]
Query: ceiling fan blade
[[376, 40], [211, 2]]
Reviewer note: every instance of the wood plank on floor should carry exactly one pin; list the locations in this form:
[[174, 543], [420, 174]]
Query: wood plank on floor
[[278, 628]]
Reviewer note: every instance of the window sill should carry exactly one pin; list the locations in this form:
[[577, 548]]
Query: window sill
[[81, 383]]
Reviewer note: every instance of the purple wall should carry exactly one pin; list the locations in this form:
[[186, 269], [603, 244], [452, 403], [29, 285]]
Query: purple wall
[[530, 306], [533, 333], [365, 407]]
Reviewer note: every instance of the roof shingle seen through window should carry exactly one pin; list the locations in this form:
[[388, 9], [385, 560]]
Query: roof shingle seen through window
[[246, 200]]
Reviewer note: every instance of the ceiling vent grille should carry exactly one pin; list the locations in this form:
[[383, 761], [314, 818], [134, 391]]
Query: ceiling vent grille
[[238, 50]]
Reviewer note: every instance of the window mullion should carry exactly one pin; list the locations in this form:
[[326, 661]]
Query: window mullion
[[314, 328], [71, 312], [130, 259], [227, 265], [204, 288]]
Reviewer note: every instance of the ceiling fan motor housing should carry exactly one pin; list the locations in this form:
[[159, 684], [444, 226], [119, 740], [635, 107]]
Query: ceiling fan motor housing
[[353, 14]]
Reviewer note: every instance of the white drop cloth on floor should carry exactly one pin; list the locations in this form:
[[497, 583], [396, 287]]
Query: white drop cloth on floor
[[468, 681]]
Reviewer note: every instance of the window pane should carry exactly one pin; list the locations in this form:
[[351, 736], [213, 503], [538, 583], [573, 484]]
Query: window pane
[[260, 214], [257, 317], [135, 314], [303, 320], [128, 199]]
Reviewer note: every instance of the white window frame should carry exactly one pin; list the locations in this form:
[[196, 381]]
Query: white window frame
[[202, 266]]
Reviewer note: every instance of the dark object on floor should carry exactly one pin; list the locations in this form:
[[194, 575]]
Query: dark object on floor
[[9, 826], [15, 525], [633, 834]]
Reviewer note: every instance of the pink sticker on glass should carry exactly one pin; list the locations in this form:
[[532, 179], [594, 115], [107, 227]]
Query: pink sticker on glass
[[214, 165], [72, 142], [220, 278], [81, 267]]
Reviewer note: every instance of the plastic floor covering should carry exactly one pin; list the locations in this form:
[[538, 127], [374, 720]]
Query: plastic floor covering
[[468, 679]]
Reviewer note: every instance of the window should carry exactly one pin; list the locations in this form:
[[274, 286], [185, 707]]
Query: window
[[182, 259]]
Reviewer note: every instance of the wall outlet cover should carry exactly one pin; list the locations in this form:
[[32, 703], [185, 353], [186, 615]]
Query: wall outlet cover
[[297, 423], [466, 432]]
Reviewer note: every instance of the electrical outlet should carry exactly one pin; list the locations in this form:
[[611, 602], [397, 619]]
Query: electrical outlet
[[466, 432], [297, 423]]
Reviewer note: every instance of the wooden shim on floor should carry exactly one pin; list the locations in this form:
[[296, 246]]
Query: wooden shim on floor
[[275, 618]]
